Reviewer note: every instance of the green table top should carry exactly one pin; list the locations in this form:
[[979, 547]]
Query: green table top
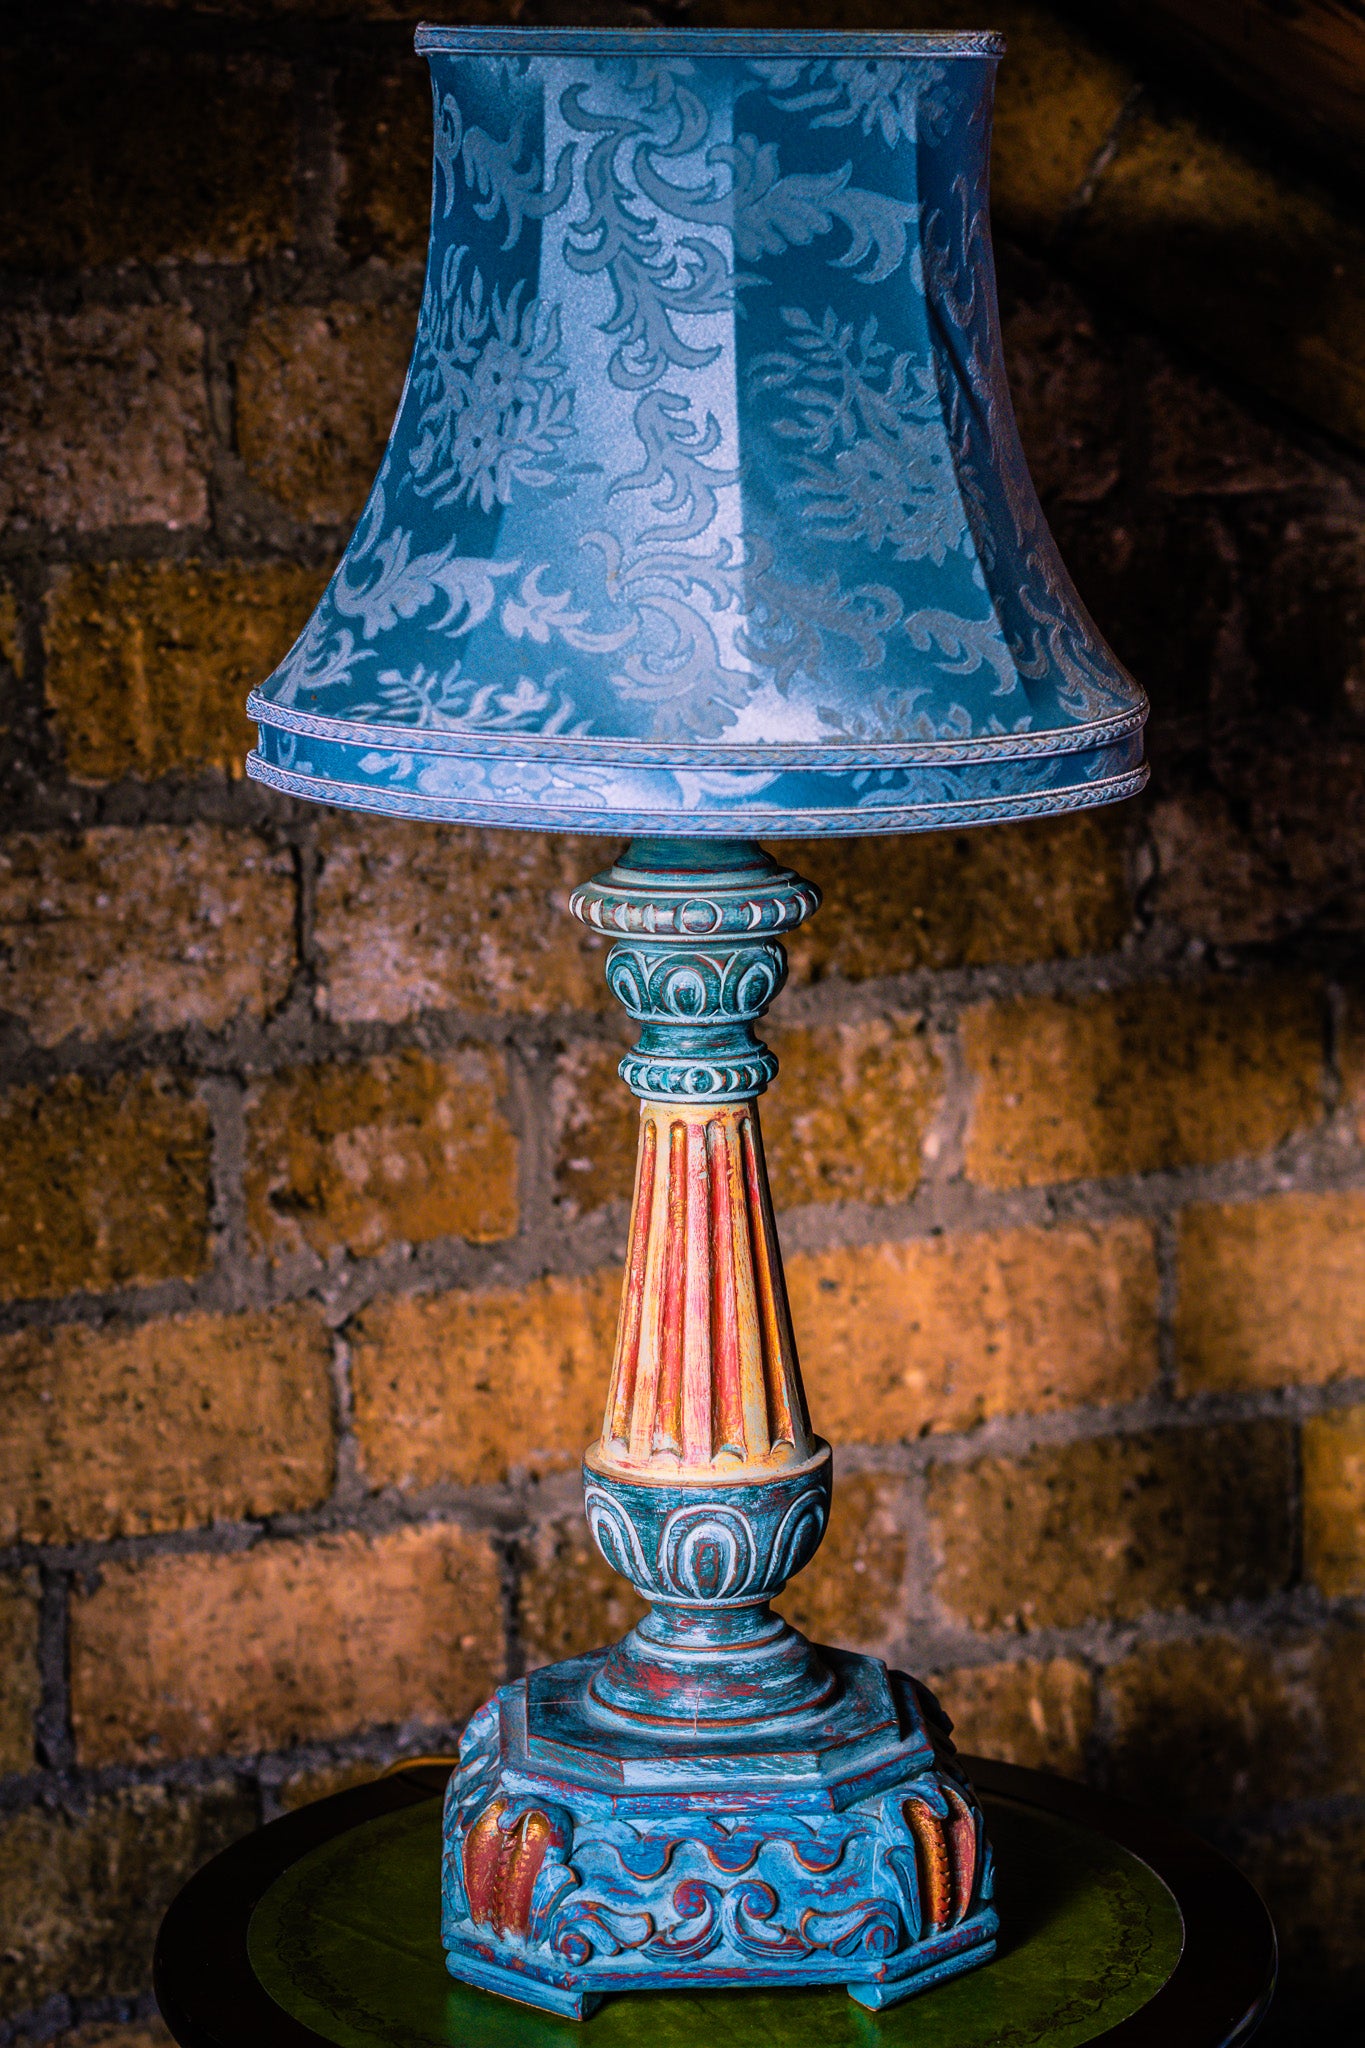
[[346, 1941]]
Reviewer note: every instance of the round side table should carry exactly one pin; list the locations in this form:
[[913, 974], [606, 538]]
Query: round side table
[[321, 1931]]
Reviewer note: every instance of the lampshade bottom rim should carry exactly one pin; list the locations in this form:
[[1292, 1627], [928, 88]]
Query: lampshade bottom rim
[[581, 750], [730, 822]]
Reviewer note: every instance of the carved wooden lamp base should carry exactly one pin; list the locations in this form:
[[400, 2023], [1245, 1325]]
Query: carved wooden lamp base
[[581, 1860], [714, 1801]]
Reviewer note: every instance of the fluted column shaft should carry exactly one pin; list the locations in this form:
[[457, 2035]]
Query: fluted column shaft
[[705, 1377]]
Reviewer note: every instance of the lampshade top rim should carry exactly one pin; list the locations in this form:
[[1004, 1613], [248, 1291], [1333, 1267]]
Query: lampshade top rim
[[436, 38]]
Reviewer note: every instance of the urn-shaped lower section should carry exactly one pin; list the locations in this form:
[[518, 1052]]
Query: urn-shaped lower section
[[722, 1543], [711, 1655]]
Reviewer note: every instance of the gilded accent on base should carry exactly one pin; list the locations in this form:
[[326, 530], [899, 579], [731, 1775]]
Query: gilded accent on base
[[602, 1885]]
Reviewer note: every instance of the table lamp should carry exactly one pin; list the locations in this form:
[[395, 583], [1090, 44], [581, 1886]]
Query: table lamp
[[704, 518]]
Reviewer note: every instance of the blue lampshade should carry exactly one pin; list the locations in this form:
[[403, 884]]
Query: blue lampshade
[[704, 511]]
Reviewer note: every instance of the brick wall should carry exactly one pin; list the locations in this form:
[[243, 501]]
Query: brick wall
[[314, 1159]]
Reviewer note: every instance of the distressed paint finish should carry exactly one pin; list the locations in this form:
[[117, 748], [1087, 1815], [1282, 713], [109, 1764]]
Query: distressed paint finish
[[714, 1800], [502, 1858], [705, 1377], [705, 514], [705, 510], [848, 1851], [711, 1653]]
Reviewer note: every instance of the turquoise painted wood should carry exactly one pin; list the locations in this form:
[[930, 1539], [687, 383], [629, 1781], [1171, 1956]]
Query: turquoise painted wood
[[347, 1943], [835, 1845]]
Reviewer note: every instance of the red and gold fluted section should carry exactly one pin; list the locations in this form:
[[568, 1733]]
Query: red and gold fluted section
[[705, 1378]]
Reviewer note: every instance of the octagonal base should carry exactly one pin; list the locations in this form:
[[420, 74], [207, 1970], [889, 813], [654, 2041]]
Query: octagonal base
[[580, 1859]]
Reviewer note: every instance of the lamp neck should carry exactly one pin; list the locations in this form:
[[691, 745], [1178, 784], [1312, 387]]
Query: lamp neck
[[697, 960], [705, 1381], [706, 1488]]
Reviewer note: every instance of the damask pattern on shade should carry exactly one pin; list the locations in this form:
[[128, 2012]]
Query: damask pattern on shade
[[704, 500]]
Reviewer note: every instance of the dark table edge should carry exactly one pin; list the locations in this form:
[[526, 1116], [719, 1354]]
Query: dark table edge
[[1221, 1988], [1216, 1997]]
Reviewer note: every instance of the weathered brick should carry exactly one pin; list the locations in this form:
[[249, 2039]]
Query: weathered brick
[[465, 1387], [384, 136], [82, 1894], [103, 1186], [845, 1121], [289, 1642], [149, 664], [1222, 1725], [121, 1432], [11, 647], [16, 714], [413, 917], [1351, 1054], [939, 1333], [1334, 1501], [103, 418], [1312, 1877], [317, 389], [399, 1147], [850, 1111], [1164, 591], [595, 1120], [1289, 752], [320, 1781], [80, 183], [1144, 1079], [20, 1682], [1215, 878], [1001, 895], [1277, 850], [1260, 265], [569, 1600], [1202, 441], [1271, 1292], [117, 930], [497, 12], [1300, 778], [851, 1591], [147, 2033], [1109, 1527], [1038, 1713], [1057, 103], [1068, 385]]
